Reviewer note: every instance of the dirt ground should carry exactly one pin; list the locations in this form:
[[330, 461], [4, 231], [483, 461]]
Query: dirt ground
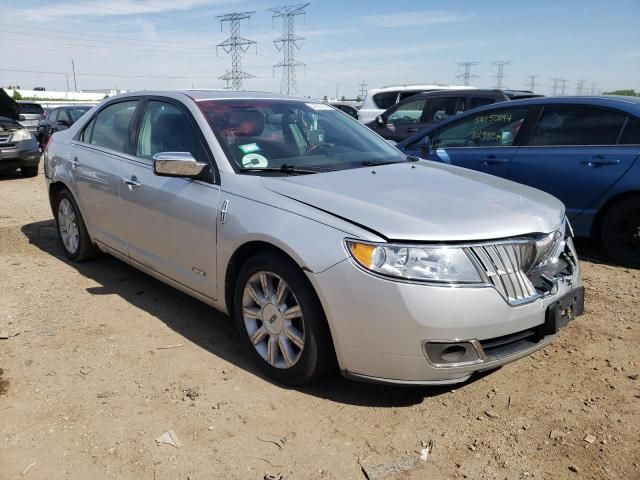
[[86, 387]]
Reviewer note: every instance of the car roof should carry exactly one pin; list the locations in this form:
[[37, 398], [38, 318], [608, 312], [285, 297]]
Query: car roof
[[617, 101], [212, 94], [417, 87]]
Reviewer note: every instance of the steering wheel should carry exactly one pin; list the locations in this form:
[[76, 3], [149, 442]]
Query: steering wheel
[[312, 149]]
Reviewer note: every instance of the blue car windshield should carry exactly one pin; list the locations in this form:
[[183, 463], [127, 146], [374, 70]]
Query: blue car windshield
[[269, 134]]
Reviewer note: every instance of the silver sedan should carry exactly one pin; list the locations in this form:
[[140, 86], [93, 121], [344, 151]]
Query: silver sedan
[[325, 244]]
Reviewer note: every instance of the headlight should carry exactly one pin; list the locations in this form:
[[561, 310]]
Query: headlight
[[19, 135], [410, 262]]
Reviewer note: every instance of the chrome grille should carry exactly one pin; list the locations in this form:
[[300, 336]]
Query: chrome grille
[[5, 136], [505, 265]]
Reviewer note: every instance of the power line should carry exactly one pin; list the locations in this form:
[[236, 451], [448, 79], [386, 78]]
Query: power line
[[531, 82], [467, 76], [499, 76], [235, 46], [288, 43], [116, 75]]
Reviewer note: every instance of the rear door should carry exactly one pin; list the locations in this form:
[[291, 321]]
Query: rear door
[[171, 222], [573, 154], [96, 163], [484, 142]]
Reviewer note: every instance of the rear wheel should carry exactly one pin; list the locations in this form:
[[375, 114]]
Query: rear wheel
[[29, 171], [281, 320], [620, 232], [72, 232]]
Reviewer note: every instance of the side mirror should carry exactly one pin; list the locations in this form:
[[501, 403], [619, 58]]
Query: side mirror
[[380, 120], [425, 145], [176, 164]]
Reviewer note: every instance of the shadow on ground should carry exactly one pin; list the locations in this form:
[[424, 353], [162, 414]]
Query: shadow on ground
[[209, 328]]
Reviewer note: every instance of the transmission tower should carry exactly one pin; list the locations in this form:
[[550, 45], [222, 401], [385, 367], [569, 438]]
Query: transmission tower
[[556, 84], [235, 46], [592, 90], [499, 76], [563, 88], [580, 87], [532, 84], [467, 76], [288, 43], [363, 89]]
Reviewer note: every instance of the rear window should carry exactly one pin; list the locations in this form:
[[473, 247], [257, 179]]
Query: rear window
[[577, 125], [31, 108], [385, 100], [631, 134]]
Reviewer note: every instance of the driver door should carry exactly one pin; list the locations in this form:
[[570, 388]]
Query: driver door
[[485, 141], [171, 222], [404, 121]]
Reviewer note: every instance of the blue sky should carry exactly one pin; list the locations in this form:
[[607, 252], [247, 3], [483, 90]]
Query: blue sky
[[171, 43]]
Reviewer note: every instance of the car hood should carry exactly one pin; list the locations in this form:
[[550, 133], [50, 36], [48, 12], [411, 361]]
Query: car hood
[[425, 201], [8, 106]]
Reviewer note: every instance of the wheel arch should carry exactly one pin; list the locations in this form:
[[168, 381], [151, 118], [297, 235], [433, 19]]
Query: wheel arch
[[54, 189], [608, 205], [240, 256]]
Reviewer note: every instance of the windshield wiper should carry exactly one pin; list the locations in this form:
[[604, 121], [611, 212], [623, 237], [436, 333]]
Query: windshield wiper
[[412, 158], [284, 168]]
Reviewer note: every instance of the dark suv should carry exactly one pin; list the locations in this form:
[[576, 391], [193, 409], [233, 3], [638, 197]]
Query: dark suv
[[420, 111]]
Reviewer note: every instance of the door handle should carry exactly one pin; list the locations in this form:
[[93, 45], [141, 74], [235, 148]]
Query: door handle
[[412, 129], [74, 163], [492, 160], [599, 161], [132, 182]]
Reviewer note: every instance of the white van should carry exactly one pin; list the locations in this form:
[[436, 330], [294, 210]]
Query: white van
[[378, 100]]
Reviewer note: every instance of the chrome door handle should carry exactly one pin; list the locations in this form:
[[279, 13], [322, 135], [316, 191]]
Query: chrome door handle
[[74, 163], [131, 182], [599, 162]]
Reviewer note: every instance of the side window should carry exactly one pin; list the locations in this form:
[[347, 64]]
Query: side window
[[64, 115], [408, 94], [496, 128], [480, 102], [443, 108], [165, 128], [110, 129], [53, 115], [385, 100], [631, 134], [569, 125], [410, 112]]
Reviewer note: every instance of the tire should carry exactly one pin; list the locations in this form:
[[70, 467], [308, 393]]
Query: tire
[[620, 232], [69, 222], [29, 171], [294, 350]]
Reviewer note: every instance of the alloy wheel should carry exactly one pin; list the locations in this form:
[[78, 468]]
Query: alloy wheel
[[273, 319], [68, 226]]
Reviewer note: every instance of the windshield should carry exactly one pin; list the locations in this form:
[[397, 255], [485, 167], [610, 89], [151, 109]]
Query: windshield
[[267, 134], [77, 112]]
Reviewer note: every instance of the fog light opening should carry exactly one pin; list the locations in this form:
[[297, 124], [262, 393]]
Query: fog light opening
[[454, 353]]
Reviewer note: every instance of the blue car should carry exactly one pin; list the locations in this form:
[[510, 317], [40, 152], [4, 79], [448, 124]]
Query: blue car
[[583, 150]]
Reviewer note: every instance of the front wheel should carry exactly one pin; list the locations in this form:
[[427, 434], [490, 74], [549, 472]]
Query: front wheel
[[281, 321], [620, 232]]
